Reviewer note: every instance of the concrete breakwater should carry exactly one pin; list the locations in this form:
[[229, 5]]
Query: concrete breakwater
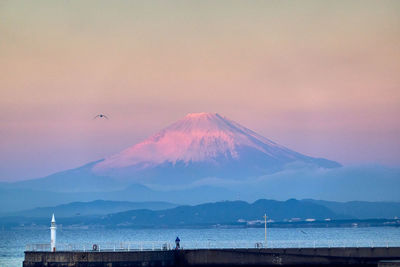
[[216, 257]]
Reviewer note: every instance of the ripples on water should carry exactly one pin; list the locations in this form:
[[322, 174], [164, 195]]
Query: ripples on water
[[13, 242]]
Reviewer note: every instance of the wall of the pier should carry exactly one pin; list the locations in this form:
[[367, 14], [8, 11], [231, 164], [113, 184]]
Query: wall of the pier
[[99, 259], [216, 257]]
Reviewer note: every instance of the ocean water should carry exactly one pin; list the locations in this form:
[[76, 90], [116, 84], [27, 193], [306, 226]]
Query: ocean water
[[14, 242]]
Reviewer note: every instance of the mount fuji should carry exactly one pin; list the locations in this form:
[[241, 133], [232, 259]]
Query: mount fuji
[[202, 145], [199, 146]]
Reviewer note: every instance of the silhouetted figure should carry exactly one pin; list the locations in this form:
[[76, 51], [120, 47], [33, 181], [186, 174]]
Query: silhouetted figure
[[177, 240]]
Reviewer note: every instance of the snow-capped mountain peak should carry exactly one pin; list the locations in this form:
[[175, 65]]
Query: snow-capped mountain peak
[[201, 138]]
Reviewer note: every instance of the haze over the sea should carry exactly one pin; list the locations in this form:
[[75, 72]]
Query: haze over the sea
[[320, 77]]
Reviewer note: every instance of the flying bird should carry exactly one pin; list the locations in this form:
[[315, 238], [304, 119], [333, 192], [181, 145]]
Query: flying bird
[[101, 116]]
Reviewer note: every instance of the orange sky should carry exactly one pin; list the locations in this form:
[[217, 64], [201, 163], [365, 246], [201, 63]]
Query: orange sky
[[321, 77]]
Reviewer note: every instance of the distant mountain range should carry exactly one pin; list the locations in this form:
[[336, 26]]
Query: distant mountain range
[[228, 212], [97, 207], [204, 215]]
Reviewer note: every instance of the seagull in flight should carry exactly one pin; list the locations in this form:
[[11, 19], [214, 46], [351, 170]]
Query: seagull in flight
[[101, 116]]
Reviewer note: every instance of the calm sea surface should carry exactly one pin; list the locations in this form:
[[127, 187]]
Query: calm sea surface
[[13, 242]]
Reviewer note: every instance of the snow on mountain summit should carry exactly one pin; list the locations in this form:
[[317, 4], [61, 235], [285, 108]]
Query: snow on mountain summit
[[200, 138]]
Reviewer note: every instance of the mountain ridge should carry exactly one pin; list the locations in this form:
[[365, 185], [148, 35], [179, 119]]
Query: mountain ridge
[[234, 213]]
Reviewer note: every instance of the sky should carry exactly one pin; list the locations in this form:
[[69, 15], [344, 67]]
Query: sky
[[320, 77]]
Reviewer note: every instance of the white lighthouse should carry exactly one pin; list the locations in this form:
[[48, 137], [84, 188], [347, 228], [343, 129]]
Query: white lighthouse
[[53, 228]]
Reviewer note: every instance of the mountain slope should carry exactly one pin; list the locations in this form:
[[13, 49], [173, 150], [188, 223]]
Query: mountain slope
[[202, 145], [362, 209], [80, 179]]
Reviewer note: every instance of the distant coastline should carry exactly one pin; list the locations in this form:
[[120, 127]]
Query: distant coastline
[[302, 224]]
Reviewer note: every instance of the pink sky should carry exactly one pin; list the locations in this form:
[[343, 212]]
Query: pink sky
[[320, 77]]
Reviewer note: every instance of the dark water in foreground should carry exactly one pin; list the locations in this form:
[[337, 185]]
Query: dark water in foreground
[[13, 242]]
